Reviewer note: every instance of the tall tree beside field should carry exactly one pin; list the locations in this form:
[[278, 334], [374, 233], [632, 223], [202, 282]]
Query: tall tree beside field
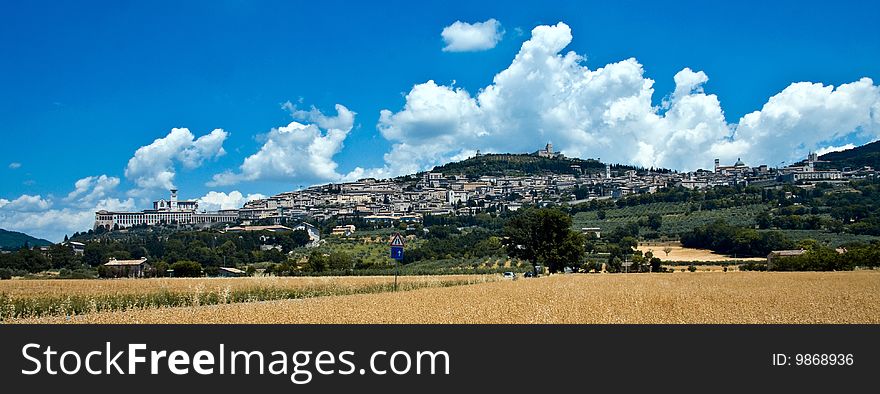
[[655, 221], [186, 269], [544, 236]]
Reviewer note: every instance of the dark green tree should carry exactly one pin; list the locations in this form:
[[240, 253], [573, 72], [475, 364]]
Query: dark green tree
[[655, 221], [317, 262], [543, 236], [340, 261], [187, 269]]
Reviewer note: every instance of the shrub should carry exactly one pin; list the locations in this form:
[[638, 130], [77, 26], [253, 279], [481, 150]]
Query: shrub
[[753, 267], [187, 269]]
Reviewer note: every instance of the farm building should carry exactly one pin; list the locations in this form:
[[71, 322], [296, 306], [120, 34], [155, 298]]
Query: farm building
[[314, 232], [126, 268], [229, 272], [78, 248], [344, 230], [592, 230]]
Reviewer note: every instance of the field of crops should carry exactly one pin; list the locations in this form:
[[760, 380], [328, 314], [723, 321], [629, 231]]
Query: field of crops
[[677, 253], [700, 297], [38, 298], [676, 218], [831, 239]]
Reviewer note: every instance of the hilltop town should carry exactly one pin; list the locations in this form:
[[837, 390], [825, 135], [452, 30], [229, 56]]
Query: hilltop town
[[487, 183]]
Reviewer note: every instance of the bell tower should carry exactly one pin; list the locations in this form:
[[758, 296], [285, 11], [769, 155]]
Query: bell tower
[[173, 199]]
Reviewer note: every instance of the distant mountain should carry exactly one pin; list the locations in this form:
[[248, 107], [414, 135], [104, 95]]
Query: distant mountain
[[865, 155], [15, 240], [526, 164]]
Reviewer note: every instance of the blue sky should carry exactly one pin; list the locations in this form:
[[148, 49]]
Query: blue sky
[[83, 85]]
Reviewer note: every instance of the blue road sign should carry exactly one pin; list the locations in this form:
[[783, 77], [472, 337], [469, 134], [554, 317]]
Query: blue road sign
[[397, 252]]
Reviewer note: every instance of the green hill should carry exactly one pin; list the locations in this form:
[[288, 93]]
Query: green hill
[[523, 164], [865, 155], [15, 240]]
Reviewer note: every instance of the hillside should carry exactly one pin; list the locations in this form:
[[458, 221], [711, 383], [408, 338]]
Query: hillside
[[15, 240], [523, 164], [865, 155]]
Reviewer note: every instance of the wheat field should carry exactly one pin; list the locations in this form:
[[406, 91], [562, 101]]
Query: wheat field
[[702, 297], [43, 298], [678, 253]]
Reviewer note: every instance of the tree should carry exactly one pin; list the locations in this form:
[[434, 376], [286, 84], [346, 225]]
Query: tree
[[627, 244], [187, 269], [667, 250], [93, 254], [763, 220], [317, 262], [655, 221], [62, 256], [227, 250], [543, 236], [340, 261], [568, 254], [298, 238], [161, 269]]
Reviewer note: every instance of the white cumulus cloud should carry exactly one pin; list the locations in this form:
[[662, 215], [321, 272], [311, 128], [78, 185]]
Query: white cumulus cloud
[[807, 116], [547, 95], [26, 203], [39, 216], [829, 149], [14, 165], [471, 37], [214, 201], [153, 165], [90, 189], [301, 151]]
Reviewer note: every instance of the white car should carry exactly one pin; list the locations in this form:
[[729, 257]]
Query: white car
[[509, 275]]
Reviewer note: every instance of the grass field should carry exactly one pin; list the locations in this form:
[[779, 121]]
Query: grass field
[[701, 297]]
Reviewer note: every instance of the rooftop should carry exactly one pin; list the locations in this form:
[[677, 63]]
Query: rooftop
[[120, 263]]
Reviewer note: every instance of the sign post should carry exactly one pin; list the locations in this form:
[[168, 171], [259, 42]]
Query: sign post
[[397, 244]]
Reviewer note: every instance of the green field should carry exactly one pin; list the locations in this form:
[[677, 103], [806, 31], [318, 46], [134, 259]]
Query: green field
[[678, 218]]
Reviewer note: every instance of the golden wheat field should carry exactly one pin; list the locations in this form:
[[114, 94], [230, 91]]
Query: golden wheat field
[[702, 297], [23, 299], [91, 287]]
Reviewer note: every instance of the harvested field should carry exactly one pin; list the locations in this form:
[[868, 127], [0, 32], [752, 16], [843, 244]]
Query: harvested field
[[679, 253], [677, 268], [710, 297]]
